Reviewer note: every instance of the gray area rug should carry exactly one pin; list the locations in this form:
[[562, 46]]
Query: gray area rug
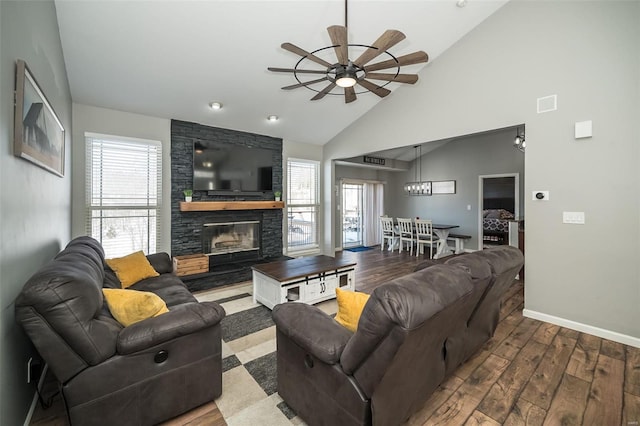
[[262, 369], [243, 323]]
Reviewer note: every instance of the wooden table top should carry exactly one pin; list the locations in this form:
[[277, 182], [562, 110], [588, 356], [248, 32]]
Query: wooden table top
[[301, 267], [441, 226]]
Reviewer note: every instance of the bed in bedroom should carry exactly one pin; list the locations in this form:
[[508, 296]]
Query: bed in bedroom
[[495, 225], [495, 220]]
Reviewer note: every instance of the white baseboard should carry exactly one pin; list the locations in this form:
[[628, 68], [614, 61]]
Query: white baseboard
[[32, 409], [595, 331]]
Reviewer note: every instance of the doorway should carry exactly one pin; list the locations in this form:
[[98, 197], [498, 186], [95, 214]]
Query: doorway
[[499, 202], [352, 202]]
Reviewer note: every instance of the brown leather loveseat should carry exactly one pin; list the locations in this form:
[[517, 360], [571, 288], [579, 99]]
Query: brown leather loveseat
[[108, 374], [412, 333]]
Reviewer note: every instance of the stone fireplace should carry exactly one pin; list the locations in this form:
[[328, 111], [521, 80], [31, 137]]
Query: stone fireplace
[[230, 259]]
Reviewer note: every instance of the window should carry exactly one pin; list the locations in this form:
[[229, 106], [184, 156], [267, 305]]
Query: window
[[302, 205], [124, 180]]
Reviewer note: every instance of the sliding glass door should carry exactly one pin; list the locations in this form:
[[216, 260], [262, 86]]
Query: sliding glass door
[[352, 202]]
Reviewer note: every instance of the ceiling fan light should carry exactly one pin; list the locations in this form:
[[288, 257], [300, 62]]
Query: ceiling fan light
[[346, 81]]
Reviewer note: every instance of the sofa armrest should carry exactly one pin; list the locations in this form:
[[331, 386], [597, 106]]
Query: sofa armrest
[[312, 329], [184, 319]]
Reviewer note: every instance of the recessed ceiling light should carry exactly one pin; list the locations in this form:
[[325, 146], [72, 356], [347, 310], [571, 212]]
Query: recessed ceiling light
[[215, 105], [272, 118], [461, 3]]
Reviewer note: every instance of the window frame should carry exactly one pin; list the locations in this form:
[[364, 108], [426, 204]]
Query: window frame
[[152, 208], [315, 246]]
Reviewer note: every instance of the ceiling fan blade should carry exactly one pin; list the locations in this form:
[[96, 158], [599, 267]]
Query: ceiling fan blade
[[398, 78], [298, 71], [299, 51], [349, 95], [374, 88], [323, 92], [410, 59], [387, 40], [295, 86], [338, 35]]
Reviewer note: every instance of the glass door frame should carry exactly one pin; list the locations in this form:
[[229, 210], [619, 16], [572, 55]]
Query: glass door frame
[[352, 222]]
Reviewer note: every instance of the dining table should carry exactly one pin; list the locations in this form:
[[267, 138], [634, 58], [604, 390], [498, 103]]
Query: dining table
[[442, 232]]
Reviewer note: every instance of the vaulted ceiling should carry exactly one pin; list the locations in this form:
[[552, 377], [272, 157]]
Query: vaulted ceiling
[[171, 59]]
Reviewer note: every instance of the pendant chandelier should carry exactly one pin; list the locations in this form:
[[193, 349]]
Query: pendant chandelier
[[418, 187]]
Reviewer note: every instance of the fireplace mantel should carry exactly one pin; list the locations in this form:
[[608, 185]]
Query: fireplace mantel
[[207, 206]]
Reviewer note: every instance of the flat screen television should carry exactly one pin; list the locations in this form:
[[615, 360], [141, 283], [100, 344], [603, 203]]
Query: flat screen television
[[232, 169]]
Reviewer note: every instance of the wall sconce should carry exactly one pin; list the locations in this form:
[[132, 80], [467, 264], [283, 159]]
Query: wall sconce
[[519, 142]]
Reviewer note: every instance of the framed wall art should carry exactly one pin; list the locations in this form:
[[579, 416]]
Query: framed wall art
[[38, 134], [443, 187]]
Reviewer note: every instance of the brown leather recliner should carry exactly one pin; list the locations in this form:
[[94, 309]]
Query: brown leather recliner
[[142, 374], [401, 351]]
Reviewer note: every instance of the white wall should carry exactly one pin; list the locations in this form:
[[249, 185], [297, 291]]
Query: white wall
[[584, 276], [35, 212], [117, 123]]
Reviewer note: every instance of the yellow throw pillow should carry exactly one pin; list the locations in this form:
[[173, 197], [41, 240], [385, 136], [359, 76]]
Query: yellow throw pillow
[[131, 306], [132, 268], [350, 306]]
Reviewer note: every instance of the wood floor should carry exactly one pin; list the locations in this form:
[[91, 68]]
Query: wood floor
[[530, 373]]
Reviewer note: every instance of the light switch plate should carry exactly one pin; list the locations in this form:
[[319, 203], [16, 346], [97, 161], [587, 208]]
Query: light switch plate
[[575, 218]]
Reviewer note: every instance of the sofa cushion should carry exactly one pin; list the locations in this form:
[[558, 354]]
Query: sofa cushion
[[132, 268], [131, 306], [350, 306], [169, 287], [406, 302], [63, 300], [161, 262]]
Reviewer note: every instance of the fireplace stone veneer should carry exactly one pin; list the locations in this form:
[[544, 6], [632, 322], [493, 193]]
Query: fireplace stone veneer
[[187, 226]]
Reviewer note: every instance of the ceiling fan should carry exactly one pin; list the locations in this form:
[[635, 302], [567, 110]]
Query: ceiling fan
[[347, 73]]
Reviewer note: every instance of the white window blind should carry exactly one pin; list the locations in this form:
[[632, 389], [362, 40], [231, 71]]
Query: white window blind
[[124, 181], [303, 194]]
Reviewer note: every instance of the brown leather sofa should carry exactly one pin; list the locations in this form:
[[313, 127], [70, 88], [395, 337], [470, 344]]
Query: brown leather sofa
[[142, 374], [412, 333]]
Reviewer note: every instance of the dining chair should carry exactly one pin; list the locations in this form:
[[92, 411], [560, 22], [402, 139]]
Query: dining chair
[[424, 235], [389, 233], [406, 233]]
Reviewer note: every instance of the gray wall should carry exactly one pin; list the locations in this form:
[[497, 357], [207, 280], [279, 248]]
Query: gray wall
[[35, 216], [462, 160], [587, 54]]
